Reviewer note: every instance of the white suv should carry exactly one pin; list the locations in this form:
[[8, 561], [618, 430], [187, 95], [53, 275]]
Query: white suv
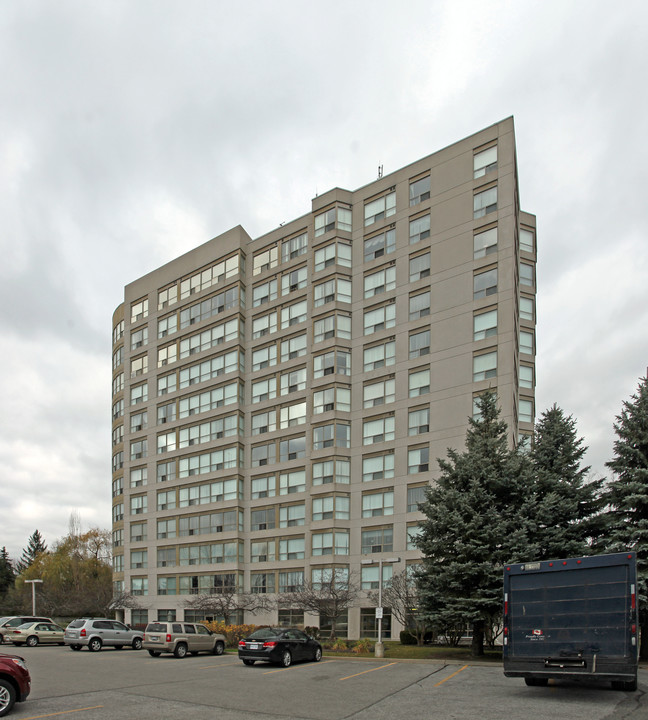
[[97, 632]]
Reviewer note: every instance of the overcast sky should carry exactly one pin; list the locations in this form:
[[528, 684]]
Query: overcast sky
[[131, 132]]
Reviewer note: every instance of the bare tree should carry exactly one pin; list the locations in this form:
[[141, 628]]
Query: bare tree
[[330, 598], [401, 595], [226, 602]]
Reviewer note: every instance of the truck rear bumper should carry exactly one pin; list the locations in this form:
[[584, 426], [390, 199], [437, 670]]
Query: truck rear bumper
[[611, 669]]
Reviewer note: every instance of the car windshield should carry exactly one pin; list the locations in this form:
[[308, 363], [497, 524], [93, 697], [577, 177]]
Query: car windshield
[[265, 633]]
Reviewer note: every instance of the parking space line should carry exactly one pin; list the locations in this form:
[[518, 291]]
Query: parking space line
[[63, 712], [293, 667], [364, 672], [451, 676]]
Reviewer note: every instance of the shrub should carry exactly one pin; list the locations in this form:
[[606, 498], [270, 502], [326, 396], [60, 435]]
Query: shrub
[[233, 633], [406, 638], [363, 646], [339, 645]]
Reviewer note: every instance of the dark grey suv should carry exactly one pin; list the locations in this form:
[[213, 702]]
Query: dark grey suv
[[95, 633]]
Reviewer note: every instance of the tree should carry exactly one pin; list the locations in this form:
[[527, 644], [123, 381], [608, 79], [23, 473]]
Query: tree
[[566, 512], [226, 603], [7, 574], [476, 520], [35, 546], [627, 494], [402, 595], [330, 597]]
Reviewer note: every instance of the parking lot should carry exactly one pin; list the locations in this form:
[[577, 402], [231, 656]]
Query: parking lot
[[128, 684]]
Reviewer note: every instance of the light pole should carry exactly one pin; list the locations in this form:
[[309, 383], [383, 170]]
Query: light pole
[[33, 584], [379, 649]]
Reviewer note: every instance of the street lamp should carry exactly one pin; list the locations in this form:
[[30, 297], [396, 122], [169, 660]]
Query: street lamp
[[379, 649], [33, 584]]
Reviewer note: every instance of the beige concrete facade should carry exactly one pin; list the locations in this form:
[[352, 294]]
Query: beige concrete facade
[[309, 378]]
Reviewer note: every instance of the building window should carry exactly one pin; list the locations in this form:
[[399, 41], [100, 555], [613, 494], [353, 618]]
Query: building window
[[118, 435], [419, 383], [336, 434], [370, 579], [138, 559], [332, 326], [419, 229], [294, 314], [166, 529], [118, 563], [166, 500], [139, 394], [292, 415], [485, 324], [378, 540], [335, 254], [166, 384], [419, 267], [335, 542], [264, 422], [167, 355], [294, 247], [291, 548], [139, 310], [262, 583], [527, 241], [264, 325], [415, 496], [419, 344], [138, 477], [332, 218], [138, 504], [333, 290], [413, 532], [262, 519], [379, 282], [418, 460], [336, 362], [118, 331], [484, 366], [333, 398], [118, 409], [331, 507], [294, 280], [293, 381], [167, 586], [380, 209], [526, 376], [485, 202], [527, 274], [379, 245], [329, 471], [418, 421], [166, 471], [292, 482], [419, 305], [262, 551], [265, 389], [264, 293], [378, 467], [139, 449], [291, 582], [379, 430], [379, 393], [485, 243], [485, 283], [379, 318], [167, 326], [263, 454], [526, 411], [526, 342], [378, 356], [118, 486], [485, 161], [263, 487], [118, 461], [419, 190], [526, 308], [168, 296], [292, 515], [377, 504], [265, 260], [118, 512], [292, 449]]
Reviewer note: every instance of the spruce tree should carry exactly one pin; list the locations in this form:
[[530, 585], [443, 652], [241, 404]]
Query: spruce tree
[[565, 514], [35, 546], [628, 493], [475, 522], [7, 574]]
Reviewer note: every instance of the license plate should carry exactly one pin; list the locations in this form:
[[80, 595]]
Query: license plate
[[154, 638], [254, 646]]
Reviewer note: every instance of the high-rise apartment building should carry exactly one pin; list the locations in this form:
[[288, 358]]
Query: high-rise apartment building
[[279, 403]]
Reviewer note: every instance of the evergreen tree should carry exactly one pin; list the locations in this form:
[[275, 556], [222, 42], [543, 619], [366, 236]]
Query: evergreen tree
[[35, 546], [628, 493], [475, 522], [565, 515], [7, 574]]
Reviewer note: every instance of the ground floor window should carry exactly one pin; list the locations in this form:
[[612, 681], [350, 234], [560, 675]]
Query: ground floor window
[[291, 617], [341, 626], [139, 619], [369, 624], [166, 615]]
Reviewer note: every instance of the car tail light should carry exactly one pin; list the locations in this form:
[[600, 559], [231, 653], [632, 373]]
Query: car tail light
[[270, 643], [17, 632], [168, 638], [241, 643], [82, 633]]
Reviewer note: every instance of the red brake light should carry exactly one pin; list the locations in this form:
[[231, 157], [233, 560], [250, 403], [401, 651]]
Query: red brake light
[[241, 643], [82, 633], [633, 629], [269, 643], [168, 638]]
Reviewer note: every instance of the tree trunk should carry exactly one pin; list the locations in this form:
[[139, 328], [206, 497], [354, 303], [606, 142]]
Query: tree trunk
[[477, 645]]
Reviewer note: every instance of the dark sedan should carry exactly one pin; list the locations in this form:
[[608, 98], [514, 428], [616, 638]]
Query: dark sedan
[[279, 645]]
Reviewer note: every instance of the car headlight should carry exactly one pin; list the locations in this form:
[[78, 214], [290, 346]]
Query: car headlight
[[21, 662]]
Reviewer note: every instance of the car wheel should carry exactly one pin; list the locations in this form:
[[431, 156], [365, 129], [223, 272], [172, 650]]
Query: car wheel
[[75, 647], [286, 658], [317, 656], [219, 648], [154, 653], [180, 650], [32, 641], [137, 643], [7, 697], [95, 645], [248, 662]]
